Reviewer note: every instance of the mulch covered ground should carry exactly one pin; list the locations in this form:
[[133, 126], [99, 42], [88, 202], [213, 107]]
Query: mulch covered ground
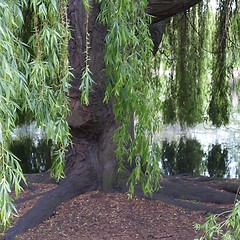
[[98, 215]]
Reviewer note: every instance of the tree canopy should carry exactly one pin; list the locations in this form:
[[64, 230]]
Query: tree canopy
[[186, 81]]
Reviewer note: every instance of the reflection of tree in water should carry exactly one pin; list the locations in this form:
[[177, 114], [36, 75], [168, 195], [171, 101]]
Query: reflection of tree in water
[[34, 157], [183, 157], [169, 157], [217, 161], [189, 156]]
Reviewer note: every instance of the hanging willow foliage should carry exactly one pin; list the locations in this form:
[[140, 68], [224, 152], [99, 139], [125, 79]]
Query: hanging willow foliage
[[185, 58], [87, 81], [194, 43], [12, 81], [34, 79], [128, 69], [219, 108], [168, 62], [49, 75]]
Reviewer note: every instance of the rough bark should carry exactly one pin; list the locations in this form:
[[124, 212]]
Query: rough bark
[[92, 126]]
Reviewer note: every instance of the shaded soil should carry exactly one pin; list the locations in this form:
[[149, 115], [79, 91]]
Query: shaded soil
[[98, 215]]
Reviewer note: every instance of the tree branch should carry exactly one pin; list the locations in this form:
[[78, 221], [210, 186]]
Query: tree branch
[[162, 9]]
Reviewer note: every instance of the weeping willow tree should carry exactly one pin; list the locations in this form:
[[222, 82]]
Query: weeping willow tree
[[102, 120], [198, 50]]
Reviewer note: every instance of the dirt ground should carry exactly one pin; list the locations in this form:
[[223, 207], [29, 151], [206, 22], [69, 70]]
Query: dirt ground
[[111, 216]]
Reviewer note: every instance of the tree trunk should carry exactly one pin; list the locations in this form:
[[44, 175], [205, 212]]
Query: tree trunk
[[91, 162], [92, 126]]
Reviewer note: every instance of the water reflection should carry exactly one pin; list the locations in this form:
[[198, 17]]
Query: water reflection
[[217, 161], [227, 138], [187, 156], [35, 155]]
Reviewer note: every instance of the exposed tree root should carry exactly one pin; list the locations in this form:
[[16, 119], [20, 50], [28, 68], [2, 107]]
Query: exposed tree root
[[194, 193], [45, 207]]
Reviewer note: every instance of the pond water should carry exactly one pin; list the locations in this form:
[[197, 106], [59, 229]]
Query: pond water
[[30, 146], [35, 156], [202, 150]]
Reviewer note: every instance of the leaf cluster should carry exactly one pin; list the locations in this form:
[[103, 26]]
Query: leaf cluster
[[222, 227], [129, 64], [34, 81], [199, 53], [185, 57]]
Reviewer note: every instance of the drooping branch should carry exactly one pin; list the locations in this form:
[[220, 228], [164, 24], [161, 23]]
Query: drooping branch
[[162, 9]]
